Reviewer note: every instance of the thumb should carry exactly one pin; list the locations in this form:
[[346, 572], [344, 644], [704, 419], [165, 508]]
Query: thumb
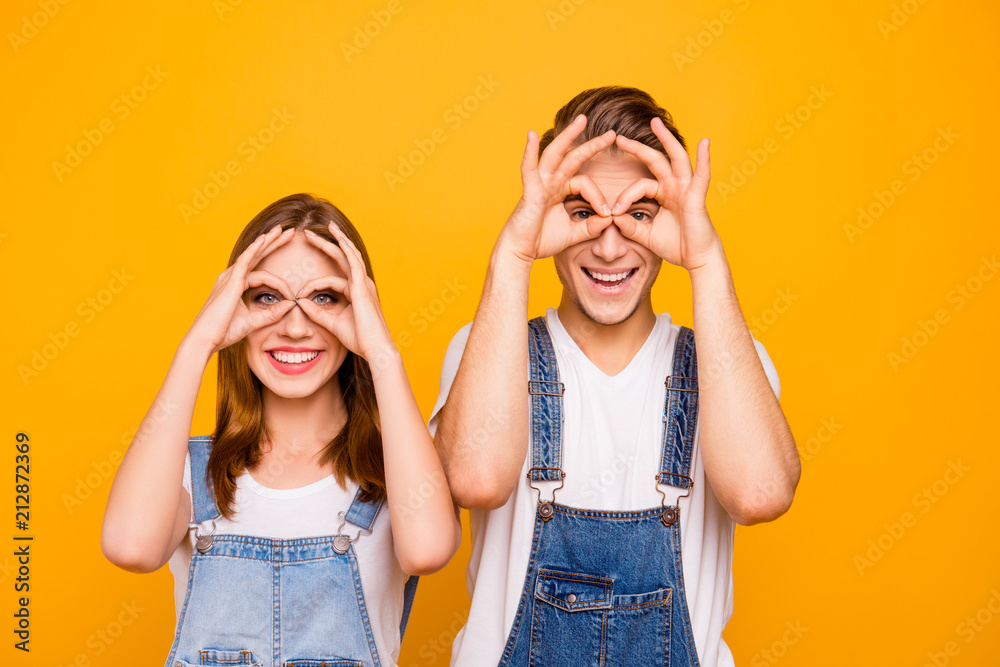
[[263, 318]]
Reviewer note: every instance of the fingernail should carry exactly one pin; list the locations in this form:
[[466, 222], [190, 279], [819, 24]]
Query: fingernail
[[606, 210], [617, 209]]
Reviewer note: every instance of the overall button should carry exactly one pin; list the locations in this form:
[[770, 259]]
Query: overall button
[[545, 511], [571, 598]]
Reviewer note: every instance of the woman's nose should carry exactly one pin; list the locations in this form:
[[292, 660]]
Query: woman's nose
[[295, 323]]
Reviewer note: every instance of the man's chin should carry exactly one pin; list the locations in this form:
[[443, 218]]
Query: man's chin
[[621, 311]]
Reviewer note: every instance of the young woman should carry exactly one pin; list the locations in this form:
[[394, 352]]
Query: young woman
[[295, 531]]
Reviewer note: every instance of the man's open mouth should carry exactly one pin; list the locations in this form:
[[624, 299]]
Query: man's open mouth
[[609, 280]]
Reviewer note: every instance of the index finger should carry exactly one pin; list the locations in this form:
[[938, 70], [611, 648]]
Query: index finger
[[658, 164], [554, 152], [260, 277]]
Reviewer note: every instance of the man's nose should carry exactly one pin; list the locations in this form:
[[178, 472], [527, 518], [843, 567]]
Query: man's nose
[[611, 244]]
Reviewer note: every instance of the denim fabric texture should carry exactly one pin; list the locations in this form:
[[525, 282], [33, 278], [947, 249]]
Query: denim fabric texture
[[274, 602], [603, 587]]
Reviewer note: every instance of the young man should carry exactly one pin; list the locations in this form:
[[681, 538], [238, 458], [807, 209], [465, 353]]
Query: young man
[[605, 452]]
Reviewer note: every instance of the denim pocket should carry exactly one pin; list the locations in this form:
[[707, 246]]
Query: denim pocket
[[577, 620], [213, 657]]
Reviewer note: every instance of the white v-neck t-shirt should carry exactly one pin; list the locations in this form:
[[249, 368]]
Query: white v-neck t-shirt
[[611, 454], [310, 511]]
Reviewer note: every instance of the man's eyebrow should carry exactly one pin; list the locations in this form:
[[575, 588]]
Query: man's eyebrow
[[643, 200]]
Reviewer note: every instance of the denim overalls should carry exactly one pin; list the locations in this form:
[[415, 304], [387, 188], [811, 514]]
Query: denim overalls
[[274, 602], [605, 587]]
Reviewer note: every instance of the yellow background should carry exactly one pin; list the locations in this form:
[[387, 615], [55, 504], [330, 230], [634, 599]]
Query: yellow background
[[352, 116]]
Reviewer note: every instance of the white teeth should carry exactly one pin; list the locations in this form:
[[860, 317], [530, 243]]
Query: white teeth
[[293, 357], [608, 277]]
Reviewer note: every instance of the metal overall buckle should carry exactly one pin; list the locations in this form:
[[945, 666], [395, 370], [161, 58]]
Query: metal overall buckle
[[545, 509], [203, 543], [670, 514], [341, 543]]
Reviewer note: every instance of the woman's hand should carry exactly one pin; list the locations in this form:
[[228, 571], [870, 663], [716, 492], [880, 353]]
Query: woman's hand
[[360, 325], [225, 319]]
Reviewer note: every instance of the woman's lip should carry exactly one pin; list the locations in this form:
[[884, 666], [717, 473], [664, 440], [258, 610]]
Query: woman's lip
[[286, 348], [293, 369]]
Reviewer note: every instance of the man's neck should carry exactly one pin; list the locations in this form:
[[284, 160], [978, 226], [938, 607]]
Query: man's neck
[[609, 347]]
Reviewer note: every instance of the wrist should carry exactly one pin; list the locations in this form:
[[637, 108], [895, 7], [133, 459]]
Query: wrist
[[384, 359], [195, 348], [711, 265]]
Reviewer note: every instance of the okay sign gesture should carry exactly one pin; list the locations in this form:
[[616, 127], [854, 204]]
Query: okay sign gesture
[[680, 231]]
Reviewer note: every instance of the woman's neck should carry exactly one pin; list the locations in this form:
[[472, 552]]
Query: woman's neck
[[300, 430]]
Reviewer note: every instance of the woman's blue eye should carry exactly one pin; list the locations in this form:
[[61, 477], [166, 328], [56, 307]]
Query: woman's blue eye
[[266, 299], [325, 299]]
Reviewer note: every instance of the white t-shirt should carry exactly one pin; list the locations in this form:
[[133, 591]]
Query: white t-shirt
[[611, 454], [311, 511]]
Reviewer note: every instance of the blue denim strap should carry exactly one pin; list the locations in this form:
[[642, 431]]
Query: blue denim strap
[[201, 492], [546, 405], [363, 513], [408, 592], [680, 414]]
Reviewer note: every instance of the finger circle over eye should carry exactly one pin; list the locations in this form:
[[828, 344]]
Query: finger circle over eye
[[585, 187], [634, 191]]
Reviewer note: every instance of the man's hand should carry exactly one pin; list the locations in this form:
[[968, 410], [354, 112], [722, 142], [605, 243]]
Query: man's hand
[[539, 227], [680, 231]]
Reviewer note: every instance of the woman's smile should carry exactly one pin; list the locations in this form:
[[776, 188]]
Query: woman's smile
[[293, 360]]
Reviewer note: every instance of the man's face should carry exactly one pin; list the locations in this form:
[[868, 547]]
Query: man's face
[[608, 278]]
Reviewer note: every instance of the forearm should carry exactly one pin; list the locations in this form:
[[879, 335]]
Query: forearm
[[425, 526], [747, 447], [141, 525], [482, 430]]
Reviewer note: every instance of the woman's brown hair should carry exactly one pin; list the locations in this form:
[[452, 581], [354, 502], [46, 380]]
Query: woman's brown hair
[[627, 111], [240, 427]]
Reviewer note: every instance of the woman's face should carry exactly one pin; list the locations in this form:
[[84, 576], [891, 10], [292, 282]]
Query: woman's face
[[295, 356]]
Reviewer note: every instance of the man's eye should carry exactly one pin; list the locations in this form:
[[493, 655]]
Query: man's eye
[[266, 299]]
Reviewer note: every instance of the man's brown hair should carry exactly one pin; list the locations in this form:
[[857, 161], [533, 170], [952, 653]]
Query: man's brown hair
[[627, 111]]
